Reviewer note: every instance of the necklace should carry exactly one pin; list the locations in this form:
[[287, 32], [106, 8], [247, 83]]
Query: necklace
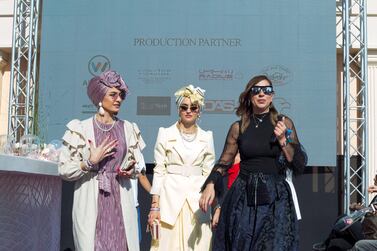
[[99, 127], [189, 137], [257, 120]]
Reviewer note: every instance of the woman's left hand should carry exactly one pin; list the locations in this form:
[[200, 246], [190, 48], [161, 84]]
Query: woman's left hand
[[280, 130], [128, 172]]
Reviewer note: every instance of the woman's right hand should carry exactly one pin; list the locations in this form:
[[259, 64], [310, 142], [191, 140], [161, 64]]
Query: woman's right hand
[[153, 215], [207, 197], [104, 150]]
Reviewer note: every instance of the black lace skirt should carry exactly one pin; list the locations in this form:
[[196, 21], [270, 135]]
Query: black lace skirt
[[257, 214]]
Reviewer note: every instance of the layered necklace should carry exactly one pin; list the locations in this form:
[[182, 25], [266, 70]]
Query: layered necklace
[[258, 121], [103, 129], [188, 137]]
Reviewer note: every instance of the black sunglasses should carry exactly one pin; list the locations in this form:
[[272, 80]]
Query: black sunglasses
[[193, 108], [268, 90]]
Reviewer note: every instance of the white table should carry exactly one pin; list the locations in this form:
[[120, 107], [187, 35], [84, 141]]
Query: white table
[[30, 204]]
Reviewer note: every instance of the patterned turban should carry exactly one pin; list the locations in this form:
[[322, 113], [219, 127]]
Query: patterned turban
[[99, 85], [195, 94]]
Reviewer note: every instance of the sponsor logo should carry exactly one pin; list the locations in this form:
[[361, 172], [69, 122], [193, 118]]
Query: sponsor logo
[[98, 64], [348, 221], [214, 74], [88, 109], [219, 106], [278, 74], [153, 105], [154, 76]]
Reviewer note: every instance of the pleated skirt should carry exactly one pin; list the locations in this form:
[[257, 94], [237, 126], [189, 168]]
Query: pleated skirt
[[257, 219], [186, 235]]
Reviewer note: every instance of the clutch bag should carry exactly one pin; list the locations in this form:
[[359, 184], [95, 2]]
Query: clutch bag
[[155, 230]]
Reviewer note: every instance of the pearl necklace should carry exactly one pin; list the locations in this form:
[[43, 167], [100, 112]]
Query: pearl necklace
[[189, 137], [99, 127]]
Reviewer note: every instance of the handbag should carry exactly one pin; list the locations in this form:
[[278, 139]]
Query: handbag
[[370, 222], [130, 157], [370, 226], [155, 230]]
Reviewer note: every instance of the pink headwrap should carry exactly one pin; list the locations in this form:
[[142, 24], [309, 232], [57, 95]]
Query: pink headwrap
[[99, 85]]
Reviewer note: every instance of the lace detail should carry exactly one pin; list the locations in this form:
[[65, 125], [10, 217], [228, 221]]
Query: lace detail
[[226, 160], [298, 163]]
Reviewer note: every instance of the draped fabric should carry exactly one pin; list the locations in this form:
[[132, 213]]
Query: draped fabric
[[110, 231]]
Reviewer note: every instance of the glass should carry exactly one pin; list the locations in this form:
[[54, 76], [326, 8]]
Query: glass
[[51, 151], [268, 90], [193, 108], [114, 96], [30, 146], [6, 144]]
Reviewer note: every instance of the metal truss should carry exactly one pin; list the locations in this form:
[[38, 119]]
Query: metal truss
[[354, 44], [355, 98], [23, 69]]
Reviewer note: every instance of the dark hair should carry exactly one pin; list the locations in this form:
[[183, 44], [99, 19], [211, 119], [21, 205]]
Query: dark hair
[[245, 108]]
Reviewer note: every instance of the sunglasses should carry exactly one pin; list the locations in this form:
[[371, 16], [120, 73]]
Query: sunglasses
[[193, 108], [114, 95], [268, 90]]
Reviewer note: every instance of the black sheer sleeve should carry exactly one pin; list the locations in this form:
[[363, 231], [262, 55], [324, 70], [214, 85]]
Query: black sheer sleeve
[[226, 159], [295, 149]]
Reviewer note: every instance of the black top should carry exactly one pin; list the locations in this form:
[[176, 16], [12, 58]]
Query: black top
[[259, 150], [258, 147]]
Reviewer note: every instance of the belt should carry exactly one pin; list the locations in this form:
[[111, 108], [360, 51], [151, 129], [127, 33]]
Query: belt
[[184, 170]]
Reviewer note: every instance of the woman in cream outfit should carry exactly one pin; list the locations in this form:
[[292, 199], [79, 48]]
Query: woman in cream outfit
[[95, 155], [184, 156]]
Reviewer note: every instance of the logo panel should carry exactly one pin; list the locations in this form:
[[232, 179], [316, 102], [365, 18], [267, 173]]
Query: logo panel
[[153, 105], [219, 106], [98, 64]]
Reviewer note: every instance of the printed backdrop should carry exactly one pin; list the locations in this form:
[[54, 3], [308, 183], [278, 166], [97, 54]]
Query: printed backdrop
[[159, 46]]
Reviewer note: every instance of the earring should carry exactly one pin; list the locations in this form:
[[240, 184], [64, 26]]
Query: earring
[[198, 119], [101, 111]]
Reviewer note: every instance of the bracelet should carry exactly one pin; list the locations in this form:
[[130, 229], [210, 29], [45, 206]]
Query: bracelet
[[155, 209], [88, 164]]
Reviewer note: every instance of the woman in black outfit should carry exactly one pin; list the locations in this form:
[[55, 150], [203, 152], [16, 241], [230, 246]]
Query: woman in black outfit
[[260, 210]]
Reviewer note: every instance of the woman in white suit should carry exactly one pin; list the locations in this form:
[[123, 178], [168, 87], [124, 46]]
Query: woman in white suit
[[99, 154], [184, 156]]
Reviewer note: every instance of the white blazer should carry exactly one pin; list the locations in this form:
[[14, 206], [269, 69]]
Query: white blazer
[[175, 181], [84, 212]]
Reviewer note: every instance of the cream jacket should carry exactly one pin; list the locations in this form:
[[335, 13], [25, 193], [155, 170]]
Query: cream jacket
[[175, 181], [84, 213]]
